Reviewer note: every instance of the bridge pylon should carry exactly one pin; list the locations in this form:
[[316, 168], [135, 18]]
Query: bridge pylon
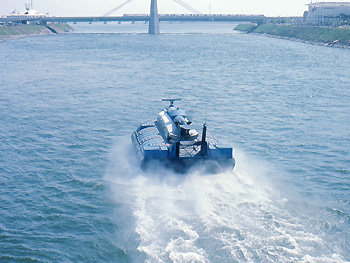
[[154, 19]]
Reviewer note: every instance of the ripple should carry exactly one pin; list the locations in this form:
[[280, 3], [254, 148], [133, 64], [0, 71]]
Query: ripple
[[67, 195]]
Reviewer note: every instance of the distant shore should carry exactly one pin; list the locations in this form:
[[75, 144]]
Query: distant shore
[[18, 31], [325, 36]]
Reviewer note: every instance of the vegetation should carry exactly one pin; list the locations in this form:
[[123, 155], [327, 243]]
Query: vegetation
[[14, 30], [322, 35], [248, 28], [20, 30], [61, 28]]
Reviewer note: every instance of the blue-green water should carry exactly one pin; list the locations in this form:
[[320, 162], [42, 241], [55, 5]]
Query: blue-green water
[[70, 190]]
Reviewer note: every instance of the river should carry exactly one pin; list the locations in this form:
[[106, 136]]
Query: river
[[71, 190]]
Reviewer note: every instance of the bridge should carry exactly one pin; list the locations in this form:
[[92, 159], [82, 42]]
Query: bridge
[[140, 17], [153, 18]]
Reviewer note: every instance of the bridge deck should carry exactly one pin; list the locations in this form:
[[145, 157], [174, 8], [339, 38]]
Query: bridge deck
[[131, 18]]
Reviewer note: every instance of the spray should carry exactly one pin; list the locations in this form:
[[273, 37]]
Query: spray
[[238, 215]]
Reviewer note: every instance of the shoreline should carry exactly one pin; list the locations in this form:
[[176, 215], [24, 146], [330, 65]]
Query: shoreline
[[15, 32], [315, 43], [319, 36]]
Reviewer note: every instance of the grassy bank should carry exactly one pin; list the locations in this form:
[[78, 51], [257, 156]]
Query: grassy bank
[[61, 28], [32, 30], [318, 35]]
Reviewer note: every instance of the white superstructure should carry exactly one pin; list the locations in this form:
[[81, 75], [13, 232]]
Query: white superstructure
[[328, 13], [28, 13]]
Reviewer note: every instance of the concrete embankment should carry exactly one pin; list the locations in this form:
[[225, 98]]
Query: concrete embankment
[[16, 31], [327, 36]]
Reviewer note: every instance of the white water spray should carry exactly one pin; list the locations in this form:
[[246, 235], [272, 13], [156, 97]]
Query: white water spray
[[229, 217]]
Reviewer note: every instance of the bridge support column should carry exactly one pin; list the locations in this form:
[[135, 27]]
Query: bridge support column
[[154, 18], [41, 22]]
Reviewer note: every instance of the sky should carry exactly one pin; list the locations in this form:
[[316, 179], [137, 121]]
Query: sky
[[101, 7]]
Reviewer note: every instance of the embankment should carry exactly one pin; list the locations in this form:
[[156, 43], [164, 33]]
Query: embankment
[[16, 31], [327, 36]]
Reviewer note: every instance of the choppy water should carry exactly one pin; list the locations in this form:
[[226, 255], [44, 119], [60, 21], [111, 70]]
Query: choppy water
[[70, 190]]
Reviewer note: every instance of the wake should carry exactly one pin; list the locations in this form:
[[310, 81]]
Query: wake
[[235, 216]]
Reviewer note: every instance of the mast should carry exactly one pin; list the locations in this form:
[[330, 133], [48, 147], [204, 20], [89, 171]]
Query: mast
[[204, 143]]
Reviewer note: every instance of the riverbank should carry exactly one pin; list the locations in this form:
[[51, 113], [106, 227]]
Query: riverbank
[[326, 36], [17, 31]]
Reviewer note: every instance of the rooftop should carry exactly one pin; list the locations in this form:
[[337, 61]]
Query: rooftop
[[332, 4]]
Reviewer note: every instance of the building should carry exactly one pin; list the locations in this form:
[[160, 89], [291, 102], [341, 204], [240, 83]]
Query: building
[[328, 13], [29, 16]]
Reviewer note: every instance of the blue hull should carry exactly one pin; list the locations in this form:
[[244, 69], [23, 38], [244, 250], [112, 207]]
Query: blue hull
[[207, 166], [179, 144]]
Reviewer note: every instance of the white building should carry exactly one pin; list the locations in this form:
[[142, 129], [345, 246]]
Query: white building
[[27, 13], [29, 16], [328, 13]]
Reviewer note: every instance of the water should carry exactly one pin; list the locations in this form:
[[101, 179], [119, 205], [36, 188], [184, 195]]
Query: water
[[70, 188]]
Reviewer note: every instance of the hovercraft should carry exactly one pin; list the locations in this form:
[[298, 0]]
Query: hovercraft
[[178, 143]]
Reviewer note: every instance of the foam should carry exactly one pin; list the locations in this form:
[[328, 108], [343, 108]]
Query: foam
[[231, 216]]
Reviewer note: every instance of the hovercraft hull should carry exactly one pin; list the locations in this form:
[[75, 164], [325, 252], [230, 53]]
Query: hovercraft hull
[[179, 144]]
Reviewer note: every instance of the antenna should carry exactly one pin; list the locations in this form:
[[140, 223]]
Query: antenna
[[171, 101], [31, 4]]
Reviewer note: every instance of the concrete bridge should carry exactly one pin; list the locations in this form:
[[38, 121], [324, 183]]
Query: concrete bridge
[[137, 17], [153, 18]]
